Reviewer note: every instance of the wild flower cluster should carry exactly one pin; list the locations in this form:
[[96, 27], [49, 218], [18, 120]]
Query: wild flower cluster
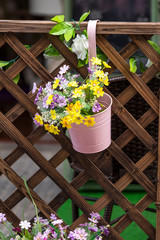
[[47, 229], [66, 100]]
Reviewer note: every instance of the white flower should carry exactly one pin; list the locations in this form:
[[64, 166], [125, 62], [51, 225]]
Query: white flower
[[80, 46], [149, 63], [24, 224]]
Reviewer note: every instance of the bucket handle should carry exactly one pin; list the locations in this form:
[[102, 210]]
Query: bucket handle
[[91, 31]]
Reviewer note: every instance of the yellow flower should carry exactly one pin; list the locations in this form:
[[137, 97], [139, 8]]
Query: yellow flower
[[53, 114], [83, 86], [93, 84], [53, 129], [78, 118], [106, 81], [89, 121], [46, 126], [77, 93], [69, 107], [106, 65], [66, 122], [55, 84], [96, 61], [49, 100], [38, 119], [77, 105], [98, 92], [73, 84], [99, 73]]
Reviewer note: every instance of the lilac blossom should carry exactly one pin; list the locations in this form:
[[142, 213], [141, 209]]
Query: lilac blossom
[[2, 217], [94, 217], [49, 88], [62, 101], [37, 96], [53, 217], [63, 69], [63, 84], [93, 228], [45, 105], [80, 233], [89, 70], [96, 107], [34, 87], [105, 230], [42, 220]]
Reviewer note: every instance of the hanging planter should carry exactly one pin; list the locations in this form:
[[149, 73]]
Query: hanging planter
[[94, 138], [81, 107], [98, 137]]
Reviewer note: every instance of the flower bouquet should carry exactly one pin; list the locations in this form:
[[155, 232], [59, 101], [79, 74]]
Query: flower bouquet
[[67, 101], [45, 229]]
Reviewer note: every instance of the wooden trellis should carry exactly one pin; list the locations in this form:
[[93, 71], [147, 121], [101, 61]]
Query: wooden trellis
[[139, 33]]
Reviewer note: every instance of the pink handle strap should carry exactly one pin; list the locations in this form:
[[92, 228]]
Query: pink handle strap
[[91, 31]]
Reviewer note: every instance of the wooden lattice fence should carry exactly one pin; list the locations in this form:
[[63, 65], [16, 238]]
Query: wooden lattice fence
[[135, 127]]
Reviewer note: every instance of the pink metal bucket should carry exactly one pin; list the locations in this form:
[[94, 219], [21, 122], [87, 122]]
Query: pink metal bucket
[[97, 138]]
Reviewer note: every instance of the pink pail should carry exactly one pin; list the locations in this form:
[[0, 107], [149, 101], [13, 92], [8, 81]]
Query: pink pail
[[96, 138]]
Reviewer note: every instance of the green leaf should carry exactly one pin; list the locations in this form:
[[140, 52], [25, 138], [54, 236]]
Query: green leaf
[[132, 64], [101, 55], [154, 45], [142, 67], [28, 47], [60, 28], [82, 63], [4, 63], [16, 78], [51, 51], [68, 34], [83, 17], [58, 18]]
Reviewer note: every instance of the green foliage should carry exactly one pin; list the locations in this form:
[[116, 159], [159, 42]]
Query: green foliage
[[132, 64], [60, 28], [58, 18], [142, 67], [155, 46], [4, 63], [17, 77], [51, 51], [83, 17]]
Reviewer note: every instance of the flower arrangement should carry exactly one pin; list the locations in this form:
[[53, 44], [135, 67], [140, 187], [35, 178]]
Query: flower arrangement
[[67, 100], [45, 229]]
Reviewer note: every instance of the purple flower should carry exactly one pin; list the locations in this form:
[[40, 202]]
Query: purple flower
[[53, 217], [94, 217], [63, 84], [34, 87], [105, 230], [93, 228], [89, 70], [71, 235], [96, 107], [62, 101], [63, 69], [45, 105], [37, 96], [2, 218], [80, 233], [18, 230], [49, 88]]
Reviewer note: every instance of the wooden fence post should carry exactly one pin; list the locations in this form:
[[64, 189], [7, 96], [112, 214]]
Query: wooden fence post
[[158, 182]]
